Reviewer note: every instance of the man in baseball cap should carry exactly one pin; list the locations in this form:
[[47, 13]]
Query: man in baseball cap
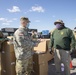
[[58, 21], [59, 24], [61, 39]]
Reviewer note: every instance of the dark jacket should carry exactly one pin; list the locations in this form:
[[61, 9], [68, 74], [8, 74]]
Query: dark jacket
[[63, 39]]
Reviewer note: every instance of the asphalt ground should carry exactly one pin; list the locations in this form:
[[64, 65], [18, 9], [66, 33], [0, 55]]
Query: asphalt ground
[[52, 70]]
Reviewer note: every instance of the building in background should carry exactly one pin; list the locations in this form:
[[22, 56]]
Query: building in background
[[10, 31]]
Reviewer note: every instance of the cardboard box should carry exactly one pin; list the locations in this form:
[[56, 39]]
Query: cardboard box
[[7, 47], [41, 47], [39, 58], [3, 61], [7, 54], [10, 71], [42, 58], [3, 72], [41, 69], [47, 43], [8, 60], [8, 63], [8, 57]]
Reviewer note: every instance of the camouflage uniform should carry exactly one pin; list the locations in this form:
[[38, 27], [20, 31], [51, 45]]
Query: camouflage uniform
[[23, 46], [24, 67]]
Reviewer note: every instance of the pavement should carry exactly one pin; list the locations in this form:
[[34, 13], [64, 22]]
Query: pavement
[[52, 70]]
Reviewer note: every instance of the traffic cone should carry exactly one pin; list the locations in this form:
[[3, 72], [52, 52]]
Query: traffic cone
[[71, 66]]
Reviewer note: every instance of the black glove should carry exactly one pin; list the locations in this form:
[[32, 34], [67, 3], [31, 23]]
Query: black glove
[[50, 50]]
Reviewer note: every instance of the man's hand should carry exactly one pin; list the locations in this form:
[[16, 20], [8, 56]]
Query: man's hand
[[50, 50], [36, 44], [38, 41]]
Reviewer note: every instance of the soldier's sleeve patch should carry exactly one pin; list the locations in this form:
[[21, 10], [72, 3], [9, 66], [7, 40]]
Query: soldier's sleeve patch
[[21, 34]]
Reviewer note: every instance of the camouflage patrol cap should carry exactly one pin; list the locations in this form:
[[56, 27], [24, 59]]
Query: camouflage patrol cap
[[58, 21], [24, 18]]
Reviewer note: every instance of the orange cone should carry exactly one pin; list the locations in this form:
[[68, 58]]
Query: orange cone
[[71, 66]]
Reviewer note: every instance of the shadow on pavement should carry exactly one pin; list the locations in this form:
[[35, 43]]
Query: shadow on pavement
[[51, 67]]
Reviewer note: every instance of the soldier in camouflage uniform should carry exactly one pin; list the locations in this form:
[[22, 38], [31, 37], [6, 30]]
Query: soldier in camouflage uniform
[[23, 46]]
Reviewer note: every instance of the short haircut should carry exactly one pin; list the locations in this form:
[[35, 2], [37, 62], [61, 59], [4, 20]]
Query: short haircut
[[24, 18]]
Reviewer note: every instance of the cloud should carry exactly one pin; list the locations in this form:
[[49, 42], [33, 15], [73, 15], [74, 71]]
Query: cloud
[[2, 19], [36, 8], [6, 21], [14, 18], [37, 21], [14, 9]]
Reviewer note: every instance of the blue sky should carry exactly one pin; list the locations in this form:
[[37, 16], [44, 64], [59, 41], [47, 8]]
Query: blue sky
[[42, 13]]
